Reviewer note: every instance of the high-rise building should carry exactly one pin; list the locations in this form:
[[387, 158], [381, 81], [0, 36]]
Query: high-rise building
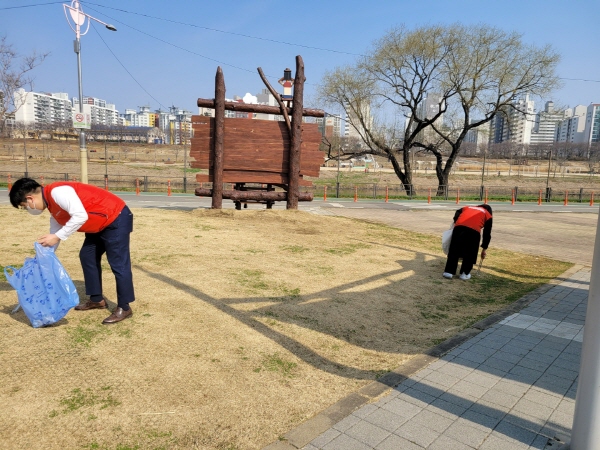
[[101, 113], [592, 124], [353, 128], [514, 124], [42, 110], [547, 125], [329, 126], [572, 128]]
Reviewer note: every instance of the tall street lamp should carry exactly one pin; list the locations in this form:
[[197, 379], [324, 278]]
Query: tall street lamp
[[78, 20]]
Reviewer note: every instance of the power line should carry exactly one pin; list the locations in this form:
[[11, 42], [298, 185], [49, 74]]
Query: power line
[[122, 65], [226, 32], [29, 6], [178, 46], [579, 79]]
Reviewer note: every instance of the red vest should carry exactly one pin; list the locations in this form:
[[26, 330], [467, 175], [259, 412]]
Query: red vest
[[473, 217], [101, 206]]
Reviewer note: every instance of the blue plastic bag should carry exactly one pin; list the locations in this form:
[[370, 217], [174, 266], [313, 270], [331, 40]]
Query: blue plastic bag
[[45, 291]]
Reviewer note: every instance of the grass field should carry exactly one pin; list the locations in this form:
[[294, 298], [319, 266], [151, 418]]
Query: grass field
[[246, 324]]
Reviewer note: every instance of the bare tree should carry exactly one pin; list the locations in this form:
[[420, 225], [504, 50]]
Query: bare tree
[[15, 73], [466, 75]]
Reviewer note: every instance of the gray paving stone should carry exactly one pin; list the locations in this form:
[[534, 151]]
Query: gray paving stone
[[402, 408], [533, 409], [430, 419], [481, 379], [367, 433], [511, 387], [447, 443], [455, 370], [500, 398], [461, 400], [466, 387], [386, 419], [395, 442], [561, 372], [442, 379], [417, 433], [346, 423], [480, 421], [496, 442], [364, 411], [539, 443], [446, 409], [345, 442], [531, 423], [466, 434], [543, 397], [507, 356], [524, 375], [417, 397], [515, 432], [326, 438]]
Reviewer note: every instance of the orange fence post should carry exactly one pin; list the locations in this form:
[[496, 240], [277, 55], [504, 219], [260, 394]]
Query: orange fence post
[[106, 183], [457, 196], [137, 186], [169, 187], [325, 193], [42, 180], [591, 199], [566, 202], [9, 183], [512, 200], [485, 200], [355, 193], [429, 196], [540, 198], [387, 192]]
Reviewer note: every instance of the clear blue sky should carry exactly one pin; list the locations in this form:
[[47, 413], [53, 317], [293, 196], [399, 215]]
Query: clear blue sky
[[179, 66]]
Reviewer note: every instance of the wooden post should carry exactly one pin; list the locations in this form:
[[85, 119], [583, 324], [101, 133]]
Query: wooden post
[[137, 186], [591, 198], [512, 200], [566, 198], [296, 135], [325, 193], [169, 188], [457, 196], [217, 190], [540, 198], [387, 194], [429, 196], [485, 202]]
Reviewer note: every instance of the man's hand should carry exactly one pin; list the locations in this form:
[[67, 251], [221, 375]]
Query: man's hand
[[483, 253], [49, 240]]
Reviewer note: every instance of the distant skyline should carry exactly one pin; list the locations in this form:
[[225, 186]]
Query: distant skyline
[[176, 62]]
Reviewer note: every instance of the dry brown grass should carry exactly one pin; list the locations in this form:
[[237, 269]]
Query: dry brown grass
[[246, 324]]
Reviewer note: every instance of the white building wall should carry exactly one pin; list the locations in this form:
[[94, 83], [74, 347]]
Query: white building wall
[[42, 110]]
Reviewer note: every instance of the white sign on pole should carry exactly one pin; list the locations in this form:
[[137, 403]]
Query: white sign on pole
[[82, 120]]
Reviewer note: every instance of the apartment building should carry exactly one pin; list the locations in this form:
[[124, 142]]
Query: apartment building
[[101, 113], [547, 125], [42, 110], [514, 124], [572, 128], [592, 124]]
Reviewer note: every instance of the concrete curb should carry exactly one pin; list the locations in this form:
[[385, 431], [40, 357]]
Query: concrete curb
[[304, 433]]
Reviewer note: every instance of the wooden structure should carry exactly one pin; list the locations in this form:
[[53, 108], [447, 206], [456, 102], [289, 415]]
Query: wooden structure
[[263, 153]]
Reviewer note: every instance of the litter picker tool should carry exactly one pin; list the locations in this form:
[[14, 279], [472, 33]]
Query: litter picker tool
[[479, 268]]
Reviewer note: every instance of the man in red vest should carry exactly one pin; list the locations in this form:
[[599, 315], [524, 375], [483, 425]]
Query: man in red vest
[[468, 223], [107, 223]]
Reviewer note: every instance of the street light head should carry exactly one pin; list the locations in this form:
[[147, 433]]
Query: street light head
[[111, 27]]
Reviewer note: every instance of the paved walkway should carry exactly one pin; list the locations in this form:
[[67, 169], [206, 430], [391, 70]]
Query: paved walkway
[[510, 386]]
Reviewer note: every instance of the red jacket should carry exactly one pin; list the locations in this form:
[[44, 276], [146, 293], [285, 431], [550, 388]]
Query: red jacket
[[473, 217], [101, 206]]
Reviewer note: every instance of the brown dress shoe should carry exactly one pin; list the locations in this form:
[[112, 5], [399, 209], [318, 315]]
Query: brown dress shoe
[[118, 315], [91, 305]]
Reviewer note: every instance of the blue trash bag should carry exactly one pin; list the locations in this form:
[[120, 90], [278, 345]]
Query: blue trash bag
[[44, 289]]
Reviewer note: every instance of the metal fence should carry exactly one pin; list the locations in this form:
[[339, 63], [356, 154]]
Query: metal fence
[[188, 184]]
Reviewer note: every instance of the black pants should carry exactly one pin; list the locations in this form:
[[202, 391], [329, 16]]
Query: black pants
[[114, 241], [465, 245]]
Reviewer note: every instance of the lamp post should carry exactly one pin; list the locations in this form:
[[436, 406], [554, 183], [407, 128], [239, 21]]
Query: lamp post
[[78, 17]]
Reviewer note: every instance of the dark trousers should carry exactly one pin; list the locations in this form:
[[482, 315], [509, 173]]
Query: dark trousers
[[465, 245], [114, 241]]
